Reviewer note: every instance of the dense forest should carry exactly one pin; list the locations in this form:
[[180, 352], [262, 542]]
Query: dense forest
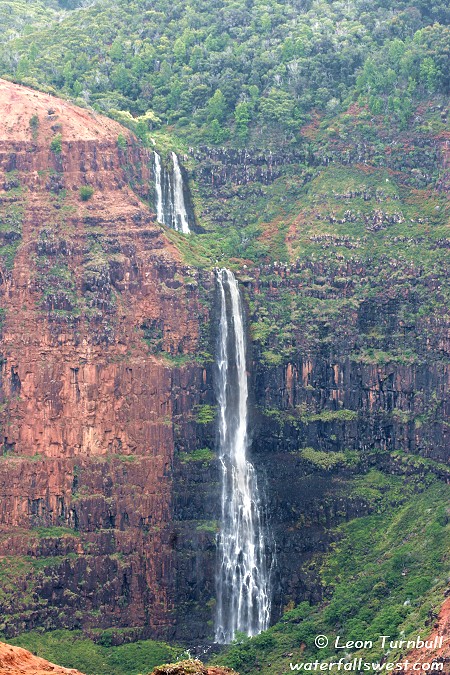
[[241, 72]]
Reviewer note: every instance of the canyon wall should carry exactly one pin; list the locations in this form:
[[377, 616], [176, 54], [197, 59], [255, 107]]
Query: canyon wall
[[97, 312], [109, 493]]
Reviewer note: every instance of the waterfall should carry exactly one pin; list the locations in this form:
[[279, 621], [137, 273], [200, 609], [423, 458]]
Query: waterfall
[[243, 579], [180, 219], [158, 189], [169, 192]]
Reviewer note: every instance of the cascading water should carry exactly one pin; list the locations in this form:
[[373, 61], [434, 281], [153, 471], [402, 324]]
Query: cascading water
[[243, 579], [169, 192], [179, 208], [158, 189]]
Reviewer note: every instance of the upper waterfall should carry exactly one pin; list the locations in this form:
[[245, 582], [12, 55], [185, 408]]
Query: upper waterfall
[[179, 208], [158, 188], [243, 579], [170, 195]]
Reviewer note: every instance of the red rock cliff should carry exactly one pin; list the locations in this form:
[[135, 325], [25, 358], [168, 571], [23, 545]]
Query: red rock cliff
[[87, 406]]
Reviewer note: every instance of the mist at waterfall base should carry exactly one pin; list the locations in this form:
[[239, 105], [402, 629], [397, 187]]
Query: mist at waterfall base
[[243, 577], [169, 195]]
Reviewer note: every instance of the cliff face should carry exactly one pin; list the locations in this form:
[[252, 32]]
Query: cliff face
[[108, 478], [349, 334], [335, 409], [89, 291]]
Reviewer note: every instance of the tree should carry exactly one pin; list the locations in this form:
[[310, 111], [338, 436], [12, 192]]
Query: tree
[[216, 107], [277, 107], [217, 133], [242, 118], [429, 73]]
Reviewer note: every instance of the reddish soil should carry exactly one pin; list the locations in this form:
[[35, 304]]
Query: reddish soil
[[19, 103], [17, 661], [442, 655]]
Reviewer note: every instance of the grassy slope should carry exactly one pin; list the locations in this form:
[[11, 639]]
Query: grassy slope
[[385, 575], [73, 650]]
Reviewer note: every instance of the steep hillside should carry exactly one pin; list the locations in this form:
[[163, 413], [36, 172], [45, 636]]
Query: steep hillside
[[240, 74], [441, 627], [380, 577]]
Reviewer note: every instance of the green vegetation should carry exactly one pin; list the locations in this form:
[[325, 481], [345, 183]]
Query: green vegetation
[[73, 650], [56, 532], [382, 492], [56, 281], [241, 74], [34, 126], [11, 218], [121, 142], [203, 455], [56, 144], [389, 80], [205, 414], [325, 460], [188, 666], [330, 416], [153, 334], [301, 414], [421, 463], [176, 360], [366, 246], [384, 575], [86, 192], [211, 526]]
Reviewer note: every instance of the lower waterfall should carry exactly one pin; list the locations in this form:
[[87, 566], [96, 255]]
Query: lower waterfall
[[243, 578]]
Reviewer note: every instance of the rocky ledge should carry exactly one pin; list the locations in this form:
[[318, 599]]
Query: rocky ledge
[[191, 667]]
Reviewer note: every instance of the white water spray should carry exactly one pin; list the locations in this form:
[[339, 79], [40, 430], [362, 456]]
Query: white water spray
[[158, 189], [180, 219], [169, 193], [243, 580]]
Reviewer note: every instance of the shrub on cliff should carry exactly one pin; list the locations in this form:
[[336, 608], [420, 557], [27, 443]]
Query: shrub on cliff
[[86, 192], [191, 667], [56, 144]]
